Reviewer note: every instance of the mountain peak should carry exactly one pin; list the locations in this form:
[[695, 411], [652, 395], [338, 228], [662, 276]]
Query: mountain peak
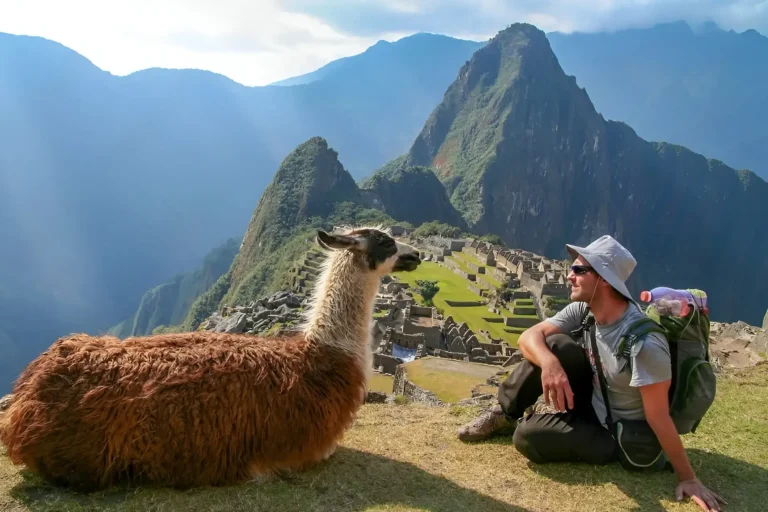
[[512, 88], [309, 183], [310, 179]]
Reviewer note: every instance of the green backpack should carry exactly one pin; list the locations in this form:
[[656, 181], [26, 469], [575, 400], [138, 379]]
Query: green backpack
[[694, 384]]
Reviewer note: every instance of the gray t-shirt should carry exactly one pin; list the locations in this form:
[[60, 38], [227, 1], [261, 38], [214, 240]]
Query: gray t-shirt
[[651, 364]]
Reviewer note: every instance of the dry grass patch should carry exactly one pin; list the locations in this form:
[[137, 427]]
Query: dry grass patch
[[381, 382], [451, 381], [407, 458]]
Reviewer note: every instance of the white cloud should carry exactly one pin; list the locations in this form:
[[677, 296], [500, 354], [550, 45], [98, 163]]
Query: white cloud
[[251, 42], [260, 41], [487, 17]]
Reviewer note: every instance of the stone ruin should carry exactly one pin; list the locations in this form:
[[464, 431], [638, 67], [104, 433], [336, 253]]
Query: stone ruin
[[395, 343], [441, 246], [737, 345], [422, 320], [393, 295], [258, 317], [461, 343]]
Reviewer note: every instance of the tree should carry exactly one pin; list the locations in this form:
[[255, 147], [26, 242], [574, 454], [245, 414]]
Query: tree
[[492, 239], [428, 290], [437, 228]]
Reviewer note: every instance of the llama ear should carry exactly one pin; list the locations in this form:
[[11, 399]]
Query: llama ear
[[331, 241]]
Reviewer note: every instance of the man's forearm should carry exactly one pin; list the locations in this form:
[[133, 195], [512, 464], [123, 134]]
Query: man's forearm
[[533, 346], [670, 441]]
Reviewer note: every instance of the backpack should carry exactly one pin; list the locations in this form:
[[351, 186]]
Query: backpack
[[694, 384]]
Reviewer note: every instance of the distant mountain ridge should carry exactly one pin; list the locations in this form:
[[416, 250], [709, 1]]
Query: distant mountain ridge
[[404, 53], [701, 87]]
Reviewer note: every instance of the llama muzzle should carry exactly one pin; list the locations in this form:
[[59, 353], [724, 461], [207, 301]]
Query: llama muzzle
[[407, 262]]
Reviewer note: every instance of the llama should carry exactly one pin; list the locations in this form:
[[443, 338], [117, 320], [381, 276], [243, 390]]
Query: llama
[[203, 408]]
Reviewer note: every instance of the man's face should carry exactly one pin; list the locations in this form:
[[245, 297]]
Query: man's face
[[583, 280]]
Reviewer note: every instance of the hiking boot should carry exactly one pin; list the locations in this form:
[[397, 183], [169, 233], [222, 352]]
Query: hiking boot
[[491, 422]]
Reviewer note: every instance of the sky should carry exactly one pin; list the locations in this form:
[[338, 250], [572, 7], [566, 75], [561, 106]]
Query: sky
[[257, 42]]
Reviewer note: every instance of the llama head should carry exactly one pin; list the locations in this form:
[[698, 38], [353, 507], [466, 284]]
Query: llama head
[[375, 250]]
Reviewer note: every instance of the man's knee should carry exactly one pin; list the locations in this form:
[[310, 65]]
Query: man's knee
[[566, 349], [528, 439]]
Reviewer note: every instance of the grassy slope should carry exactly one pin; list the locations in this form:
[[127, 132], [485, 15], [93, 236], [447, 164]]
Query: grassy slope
[[454, 287], [461, 257], [399, 458]]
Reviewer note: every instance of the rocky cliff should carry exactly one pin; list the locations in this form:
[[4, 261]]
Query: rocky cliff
[[411, 193]]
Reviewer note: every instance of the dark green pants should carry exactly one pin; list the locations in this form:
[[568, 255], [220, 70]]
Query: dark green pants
[[573, 436]]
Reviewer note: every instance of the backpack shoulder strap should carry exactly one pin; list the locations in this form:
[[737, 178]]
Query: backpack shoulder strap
[[601, 377], [631, 341], [580, 332]]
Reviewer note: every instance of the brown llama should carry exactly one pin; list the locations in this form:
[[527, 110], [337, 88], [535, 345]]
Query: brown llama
[[204, 408]]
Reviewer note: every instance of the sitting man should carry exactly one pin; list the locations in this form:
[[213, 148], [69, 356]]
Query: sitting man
[[564, 371]]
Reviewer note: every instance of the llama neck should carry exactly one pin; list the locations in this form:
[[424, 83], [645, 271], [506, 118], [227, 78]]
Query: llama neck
[[343, 305]]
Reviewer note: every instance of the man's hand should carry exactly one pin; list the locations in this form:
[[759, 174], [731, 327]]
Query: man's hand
[[554, 382], [704, 498], [656, 406]]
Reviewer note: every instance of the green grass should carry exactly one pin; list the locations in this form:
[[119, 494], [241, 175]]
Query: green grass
[[407, 458], [463, 266], [528, 303], [454, 287], [487, 277]]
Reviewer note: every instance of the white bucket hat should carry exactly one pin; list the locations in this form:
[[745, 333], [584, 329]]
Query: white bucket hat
[[610, 260]]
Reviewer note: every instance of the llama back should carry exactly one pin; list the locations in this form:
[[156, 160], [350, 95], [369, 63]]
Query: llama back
[[183, 409]]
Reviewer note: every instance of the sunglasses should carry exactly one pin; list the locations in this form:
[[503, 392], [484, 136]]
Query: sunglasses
[[580, 269]]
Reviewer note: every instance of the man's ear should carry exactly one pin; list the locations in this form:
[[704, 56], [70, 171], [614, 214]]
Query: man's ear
[[338, 242]]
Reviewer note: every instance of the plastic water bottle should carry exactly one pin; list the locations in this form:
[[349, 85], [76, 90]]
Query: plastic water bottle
[[672, 307], [670, 301]]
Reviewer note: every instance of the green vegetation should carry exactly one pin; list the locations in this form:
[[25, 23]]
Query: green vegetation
[[524, 303], [488, 278], [167, 329], [206, 304], [492, 239], [412, 193], [427, 290], [552, 301], [462, 135], [407, 458], [454, 287], [401, 400], [436, 228]]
